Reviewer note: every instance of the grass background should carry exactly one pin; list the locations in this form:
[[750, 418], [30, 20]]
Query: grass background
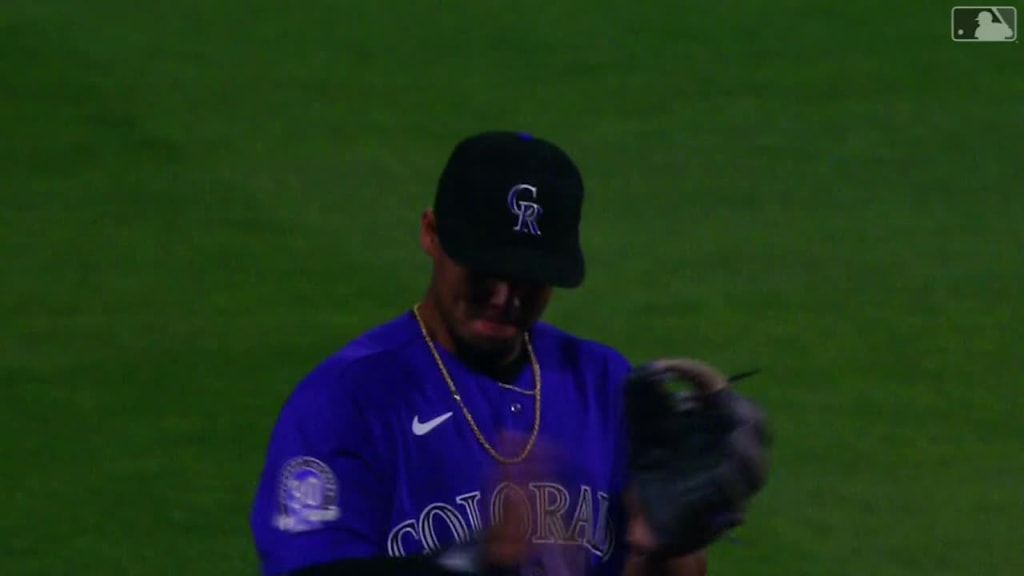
[[200, 200]]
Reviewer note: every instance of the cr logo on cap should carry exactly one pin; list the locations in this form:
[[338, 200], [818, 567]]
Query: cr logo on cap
[[528, 212]]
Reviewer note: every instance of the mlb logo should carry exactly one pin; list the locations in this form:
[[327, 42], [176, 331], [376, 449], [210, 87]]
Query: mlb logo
[[984, 24]]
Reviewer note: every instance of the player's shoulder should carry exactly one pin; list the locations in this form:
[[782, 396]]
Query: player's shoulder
[[365, 367], [580, 350]]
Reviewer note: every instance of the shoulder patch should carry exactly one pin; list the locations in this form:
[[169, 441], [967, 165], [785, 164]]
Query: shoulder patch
[[307, 495]]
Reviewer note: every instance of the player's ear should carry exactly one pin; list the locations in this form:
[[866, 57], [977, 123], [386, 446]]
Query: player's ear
[[428, 233]]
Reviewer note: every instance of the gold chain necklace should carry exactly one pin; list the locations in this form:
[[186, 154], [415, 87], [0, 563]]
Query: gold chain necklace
[[465, 412]]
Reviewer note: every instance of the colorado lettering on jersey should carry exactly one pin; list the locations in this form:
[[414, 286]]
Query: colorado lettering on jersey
[[549, 519]]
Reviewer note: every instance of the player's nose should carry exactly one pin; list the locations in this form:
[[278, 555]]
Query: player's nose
[[500, 293]]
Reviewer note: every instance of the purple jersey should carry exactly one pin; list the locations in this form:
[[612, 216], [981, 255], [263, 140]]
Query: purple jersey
[[371, 454]]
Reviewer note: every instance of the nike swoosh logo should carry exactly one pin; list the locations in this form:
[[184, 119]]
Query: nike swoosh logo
[[421, 428]]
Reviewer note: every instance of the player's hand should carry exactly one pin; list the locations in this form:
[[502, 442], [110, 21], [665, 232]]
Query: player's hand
[[643, 559], [639, 533], [506, 542], [499, 550]]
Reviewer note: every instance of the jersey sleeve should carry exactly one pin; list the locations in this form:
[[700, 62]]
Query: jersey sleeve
[[325, 488]]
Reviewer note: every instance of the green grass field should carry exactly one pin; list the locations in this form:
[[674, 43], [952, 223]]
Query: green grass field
[[202, 200]]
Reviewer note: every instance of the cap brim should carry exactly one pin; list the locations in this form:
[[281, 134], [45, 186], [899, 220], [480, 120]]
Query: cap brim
[[561, 270]]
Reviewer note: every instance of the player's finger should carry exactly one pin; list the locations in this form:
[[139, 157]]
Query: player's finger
[[507, 540]]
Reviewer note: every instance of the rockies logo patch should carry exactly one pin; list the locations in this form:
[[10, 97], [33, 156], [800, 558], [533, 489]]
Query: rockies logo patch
[[307, 495]]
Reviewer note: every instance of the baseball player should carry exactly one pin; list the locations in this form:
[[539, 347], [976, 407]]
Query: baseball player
[[466, 436]]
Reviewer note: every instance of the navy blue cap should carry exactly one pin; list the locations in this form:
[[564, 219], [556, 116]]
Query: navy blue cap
[[509, 205]]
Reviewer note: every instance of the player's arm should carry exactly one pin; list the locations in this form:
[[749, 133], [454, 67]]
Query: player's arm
[[692, 565], [499, 552], [695, 564], [455, 562], [325, 489]]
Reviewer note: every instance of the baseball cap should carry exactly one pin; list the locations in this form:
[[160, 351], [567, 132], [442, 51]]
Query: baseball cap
[[509, 205]]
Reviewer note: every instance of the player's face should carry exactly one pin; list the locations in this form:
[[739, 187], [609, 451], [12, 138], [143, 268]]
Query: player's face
[[485, 313]]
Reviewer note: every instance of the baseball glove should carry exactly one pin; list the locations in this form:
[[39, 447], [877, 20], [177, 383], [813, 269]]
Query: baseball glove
[[697, 456]]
